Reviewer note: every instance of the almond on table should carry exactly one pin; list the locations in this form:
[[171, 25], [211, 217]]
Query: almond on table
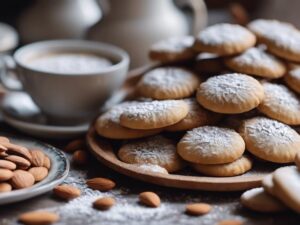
[[101, 184], [104, 203], [66, 192], [75, 145], [38, 218], [149, 199], [197, 209], [80, 157]]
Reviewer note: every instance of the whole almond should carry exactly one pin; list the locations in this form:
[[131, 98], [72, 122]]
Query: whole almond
[[75, 145], [149, 199], [17, 150], [47, 162], [21, 162], [66, 192], [2, 148], [38, 218], [4, 139], [80, 157], [37, 158], [5, 187], [3, 155], [101, 184], [5, 164], [197, 209], [104, 203], [231, 222], [22, 179], [39, 173], [5, 174]]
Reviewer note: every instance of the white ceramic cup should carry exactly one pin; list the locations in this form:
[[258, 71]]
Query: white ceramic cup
[[70, 98]]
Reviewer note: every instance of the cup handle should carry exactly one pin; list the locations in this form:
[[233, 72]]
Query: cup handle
[[8, 74]]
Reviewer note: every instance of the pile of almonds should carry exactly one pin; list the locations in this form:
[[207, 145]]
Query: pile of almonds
[[21, 167]]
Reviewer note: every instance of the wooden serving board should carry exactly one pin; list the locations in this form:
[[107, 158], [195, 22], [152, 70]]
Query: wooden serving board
[[103, 150]]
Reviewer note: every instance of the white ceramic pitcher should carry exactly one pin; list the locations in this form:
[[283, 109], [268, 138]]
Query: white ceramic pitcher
[[136, 24]]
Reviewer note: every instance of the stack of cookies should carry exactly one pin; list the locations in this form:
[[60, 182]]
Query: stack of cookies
[[219, 102]]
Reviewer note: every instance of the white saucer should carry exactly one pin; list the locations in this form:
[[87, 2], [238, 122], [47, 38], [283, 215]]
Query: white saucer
[[19, 111], [58, 172]]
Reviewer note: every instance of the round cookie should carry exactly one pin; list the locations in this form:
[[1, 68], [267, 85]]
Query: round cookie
[[235, 168], [154, 114], [224, 39], [196, 117], [168, 83], [256, 61], [230, 93], [292, 79], [173, 49], [282, 39], [270, 140], [268, 184], [258, 200], [156, 150], [280, 103], [287, 185], [211, 145], [108, 125], [152, 168]]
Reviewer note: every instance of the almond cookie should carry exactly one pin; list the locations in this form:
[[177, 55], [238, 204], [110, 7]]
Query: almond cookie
[[168, 83], [230, 93], [152, 168], [196, 117], [270, 140], [281, 104], [258, 200], [108, 125], [224, 39], [256, 61], [287, 185], [173, 49], [237, 167], [211, 145], [292, 79], [282, 39], [154, 114], [156, 150]]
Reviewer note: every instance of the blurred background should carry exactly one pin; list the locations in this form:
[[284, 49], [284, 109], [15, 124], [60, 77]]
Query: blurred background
[[132, 24]]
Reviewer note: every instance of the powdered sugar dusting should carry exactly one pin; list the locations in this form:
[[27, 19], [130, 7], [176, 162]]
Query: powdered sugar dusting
[[113, 115], [223, 33], [210, 141], [169, 78], [280, 99], [174, 44], [258, 58], [267, 134], [283, 35], [153, 109], [156, 150], [230, 88]]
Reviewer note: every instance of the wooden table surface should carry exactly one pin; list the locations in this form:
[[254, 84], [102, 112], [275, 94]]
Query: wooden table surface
[[128, 211]]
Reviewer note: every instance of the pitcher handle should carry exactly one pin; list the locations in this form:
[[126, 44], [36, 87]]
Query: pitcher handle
[[200, 13], [8, 74]]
